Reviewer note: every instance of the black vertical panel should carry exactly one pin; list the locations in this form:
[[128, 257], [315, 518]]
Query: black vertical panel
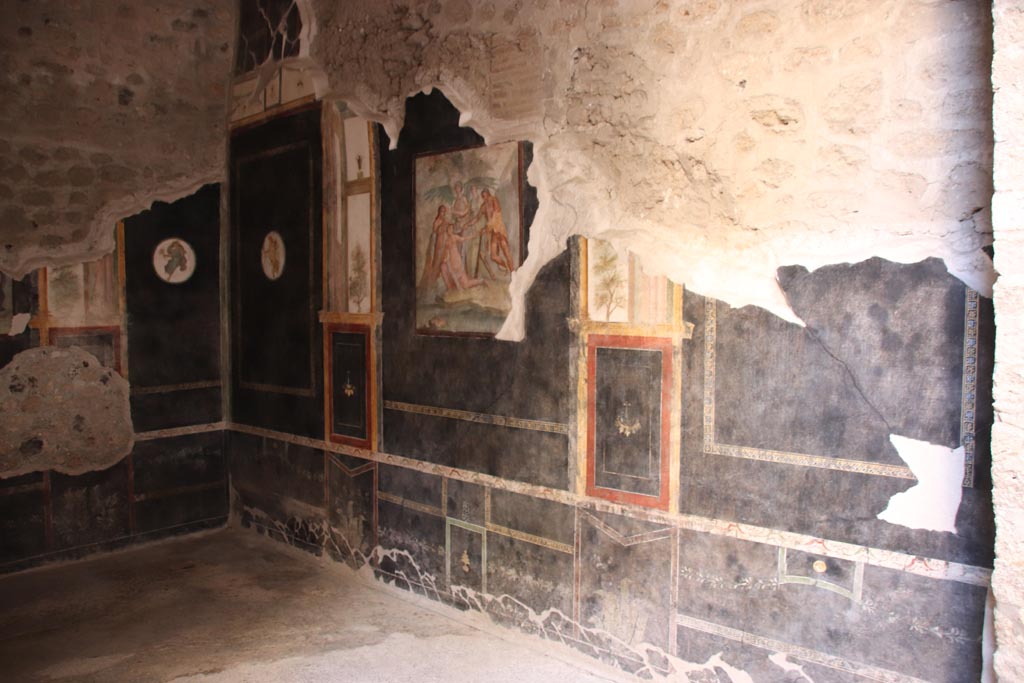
[[627, 453], [174, 328], [348, 384], [276, 180]]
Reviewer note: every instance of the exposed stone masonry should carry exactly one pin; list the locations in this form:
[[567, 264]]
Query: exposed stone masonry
[[106, 106]]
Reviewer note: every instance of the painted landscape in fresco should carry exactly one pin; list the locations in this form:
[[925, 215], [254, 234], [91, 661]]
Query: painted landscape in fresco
[[84, 293], [620, 291], [468, 238]]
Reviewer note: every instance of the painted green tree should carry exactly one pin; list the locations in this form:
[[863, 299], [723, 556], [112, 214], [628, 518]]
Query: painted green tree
[[610, 289], [358, 279]]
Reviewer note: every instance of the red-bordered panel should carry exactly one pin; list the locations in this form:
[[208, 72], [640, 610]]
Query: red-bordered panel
[[630, 421], [339, 338]]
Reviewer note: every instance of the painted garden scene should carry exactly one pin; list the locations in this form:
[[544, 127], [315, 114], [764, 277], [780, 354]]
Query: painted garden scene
[[468, 238]]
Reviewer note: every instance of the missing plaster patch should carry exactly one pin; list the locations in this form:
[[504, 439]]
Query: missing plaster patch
[[18, 323], [781, 660], [932, 503]]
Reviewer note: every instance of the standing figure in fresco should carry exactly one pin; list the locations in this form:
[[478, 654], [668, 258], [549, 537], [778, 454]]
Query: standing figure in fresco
[[445, 258], [476, 256], [461, 209], [461, 214], [490, 209], [177, 259], [435, 251], [452, 269]]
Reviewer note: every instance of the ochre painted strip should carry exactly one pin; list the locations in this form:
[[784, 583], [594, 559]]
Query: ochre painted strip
[[482, 418], [411, 504], [530, 538], [180, 431]]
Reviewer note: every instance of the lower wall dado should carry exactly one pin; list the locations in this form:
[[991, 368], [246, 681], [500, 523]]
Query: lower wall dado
[[168, 485], [651, 592]]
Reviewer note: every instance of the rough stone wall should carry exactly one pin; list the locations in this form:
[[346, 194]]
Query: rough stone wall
[[105, 106], [1008, 431], [720, 140]]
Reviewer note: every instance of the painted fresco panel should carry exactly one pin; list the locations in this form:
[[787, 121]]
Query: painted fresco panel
[[360, 252], [415, 560], [185, 512], [885, 342], [351, 507], [274, 253], [538, 576], [861, 615], [466, 563], [349, 384], [521, 454], [824, 408], [174, 332], [277, 274], [90, 508], [187, 461], [22, 519], [497, 380], [619, 290], [629, 391], [468, 238], [357, 149], [465, 501], [625, 578], [84, 293]]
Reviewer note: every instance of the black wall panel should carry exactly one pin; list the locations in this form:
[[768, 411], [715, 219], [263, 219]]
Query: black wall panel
[[276, 350], [529, 379], [174, 328]]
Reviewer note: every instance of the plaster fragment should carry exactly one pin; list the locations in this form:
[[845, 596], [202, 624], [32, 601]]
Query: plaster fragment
[[60, 409], [19, 321], [932, 503]]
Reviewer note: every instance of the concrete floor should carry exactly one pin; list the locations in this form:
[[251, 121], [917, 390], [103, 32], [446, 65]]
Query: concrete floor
[[233, 606]]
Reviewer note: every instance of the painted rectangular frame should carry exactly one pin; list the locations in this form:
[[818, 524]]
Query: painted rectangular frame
[[523, 237], [665, 346], [370, 379]]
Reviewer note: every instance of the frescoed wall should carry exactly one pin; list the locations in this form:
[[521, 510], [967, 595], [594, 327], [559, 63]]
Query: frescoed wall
[[151, 312], [651, 477], [655, 478]]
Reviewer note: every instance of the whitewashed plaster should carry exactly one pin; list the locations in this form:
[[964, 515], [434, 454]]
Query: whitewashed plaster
[[932, 503], [717, 140]]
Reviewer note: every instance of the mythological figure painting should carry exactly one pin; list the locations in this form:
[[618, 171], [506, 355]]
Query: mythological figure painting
[[468, 238], [272, 255], [174, 260]]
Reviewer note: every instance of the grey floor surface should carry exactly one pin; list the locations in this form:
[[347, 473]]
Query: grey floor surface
[[233, 606]]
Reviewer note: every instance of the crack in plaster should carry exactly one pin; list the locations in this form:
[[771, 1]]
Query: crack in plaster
[[816, 336]]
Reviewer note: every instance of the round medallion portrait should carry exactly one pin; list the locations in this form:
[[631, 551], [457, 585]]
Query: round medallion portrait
[[174, 260], [272, 255]]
